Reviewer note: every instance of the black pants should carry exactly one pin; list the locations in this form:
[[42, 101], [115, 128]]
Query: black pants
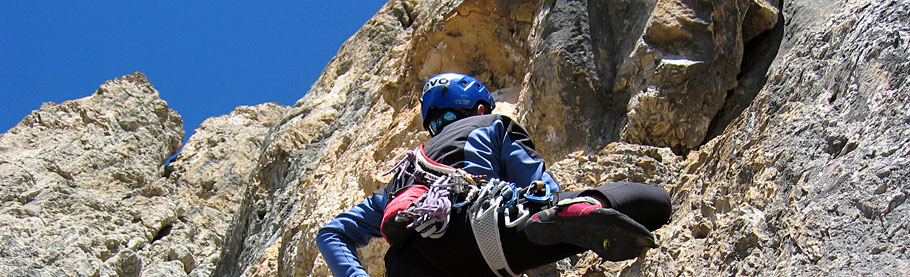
[[457, 254]]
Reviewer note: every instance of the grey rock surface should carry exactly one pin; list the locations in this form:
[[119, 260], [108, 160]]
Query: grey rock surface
[[86, 191], [811, 178], [682, 67], [73, 175]]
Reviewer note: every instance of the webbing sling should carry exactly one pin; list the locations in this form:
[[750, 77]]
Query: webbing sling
[[484, 217]]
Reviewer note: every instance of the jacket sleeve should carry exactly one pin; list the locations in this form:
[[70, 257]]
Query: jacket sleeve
[[504, 150], [339, 239]]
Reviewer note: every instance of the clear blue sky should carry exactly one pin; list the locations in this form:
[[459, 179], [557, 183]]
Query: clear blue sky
[[204, 57]]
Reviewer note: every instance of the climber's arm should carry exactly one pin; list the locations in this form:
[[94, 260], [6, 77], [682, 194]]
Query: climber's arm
[[504, 149], [521, 162], [339, 239]]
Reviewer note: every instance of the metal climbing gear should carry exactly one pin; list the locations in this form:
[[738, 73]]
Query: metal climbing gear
[[483, 217], [534, 189], [452, 189]]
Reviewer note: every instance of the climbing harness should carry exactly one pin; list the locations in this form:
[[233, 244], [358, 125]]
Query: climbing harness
[[483, 217], [455, 189]]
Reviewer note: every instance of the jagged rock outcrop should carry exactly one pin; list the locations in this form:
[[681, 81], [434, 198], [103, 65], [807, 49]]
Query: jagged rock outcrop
[[86, 190], [212, 172], [811, 179], [687, 59], [80, 181], [213, 168], [780, 130]]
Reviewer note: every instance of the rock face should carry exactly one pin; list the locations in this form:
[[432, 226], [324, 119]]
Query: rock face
[[811, 177], [211, 174], [780, 130], [68, 172], [632, 76], [86, 191]]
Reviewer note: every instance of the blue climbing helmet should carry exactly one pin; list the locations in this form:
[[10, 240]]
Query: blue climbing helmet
[[448, 97]]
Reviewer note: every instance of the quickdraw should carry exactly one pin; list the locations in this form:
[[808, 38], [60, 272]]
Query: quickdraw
[[454, 184]]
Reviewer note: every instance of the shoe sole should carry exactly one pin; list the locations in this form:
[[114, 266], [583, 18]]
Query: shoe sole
[[611, 234]]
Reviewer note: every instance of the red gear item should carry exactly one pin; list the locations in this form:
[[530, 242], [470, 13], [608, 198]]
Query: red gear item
[[401, 202]]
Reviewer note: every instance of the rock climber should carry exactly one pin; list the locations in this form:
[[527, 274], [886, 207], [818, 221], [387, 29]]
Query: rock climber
[[614, 220]]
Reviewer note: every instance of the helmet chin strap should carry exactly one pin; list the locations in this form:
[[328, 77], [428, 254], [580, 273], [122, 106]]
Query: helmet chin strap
[[444, 119], [451, 115]]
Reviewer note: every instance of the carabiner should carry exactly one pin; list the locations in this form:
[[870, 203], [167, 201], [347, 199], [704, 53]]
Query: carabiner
[[513, 197], [546, 198], [481, 213], [523, 214]]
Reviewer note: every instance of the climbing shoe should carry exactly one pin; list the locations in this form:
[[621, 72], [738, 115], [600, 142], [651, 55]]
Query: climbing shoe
[[583, 222]]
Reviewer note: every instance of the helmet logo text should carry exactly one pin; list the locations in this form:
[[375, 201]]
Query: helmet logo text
[[437, 82]]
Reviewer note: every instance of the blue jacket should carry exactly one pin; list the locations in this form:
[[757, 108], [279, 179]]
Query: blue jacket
[[490, 145]]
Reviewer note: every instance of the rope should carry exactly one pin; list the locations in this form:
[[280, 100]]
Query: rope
[[410, 159], [432, 205], [402, 163]]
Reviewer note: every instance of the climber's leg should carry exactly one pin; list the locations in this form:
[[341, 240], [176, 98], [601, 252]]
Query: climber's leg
[[586, 221], [647, 204]]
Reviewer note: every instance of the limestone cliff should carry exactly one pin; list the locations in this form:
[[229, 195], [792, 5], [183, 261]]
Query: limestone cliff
[[81, 182], [86, 191], [780, 130]]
